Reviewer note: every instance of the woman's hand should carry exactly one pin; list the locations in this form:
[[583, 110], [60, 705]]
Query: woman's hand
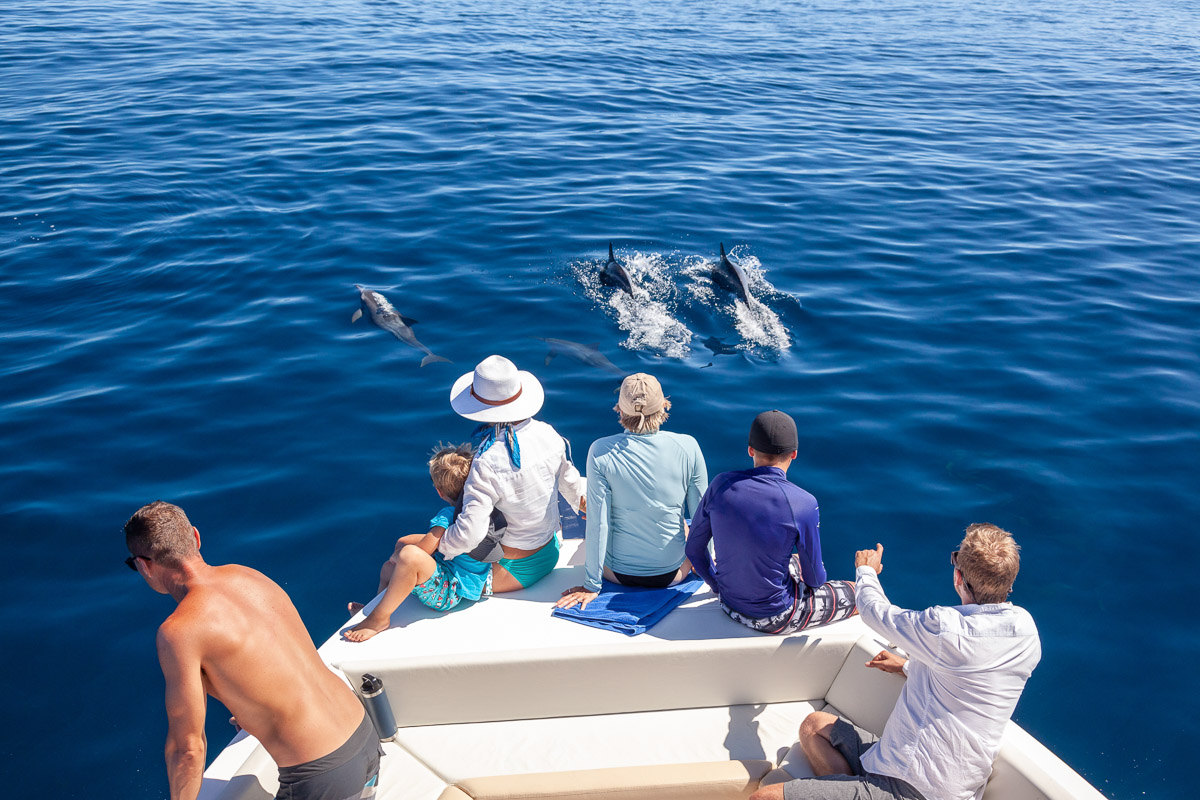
[[574, 596]]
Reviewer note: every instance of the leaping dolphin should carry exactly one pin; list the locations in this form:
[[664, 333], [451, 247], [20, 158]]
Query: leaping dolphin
[[385, 316], [587, 353], [730, 276], [614, 274]]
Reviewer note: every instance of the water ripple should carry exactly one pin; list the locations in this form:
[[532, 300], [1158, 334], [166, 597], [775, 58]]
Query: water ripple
[[971, 229]]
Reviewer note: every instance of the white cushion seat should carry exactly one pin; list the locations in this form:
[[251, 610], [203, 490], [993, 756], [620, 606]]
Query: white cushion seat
[[645, 738]]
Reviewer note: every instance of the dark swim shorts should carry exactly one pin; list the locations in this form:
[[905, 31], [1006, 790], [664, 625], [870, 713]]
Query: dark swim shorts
[[829, 602], [853, 743], [349, 773], [647, 581]]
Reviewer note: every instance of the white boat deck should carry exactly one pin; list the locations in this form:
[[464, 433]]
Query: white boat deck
[[522, 621], [502, 688]]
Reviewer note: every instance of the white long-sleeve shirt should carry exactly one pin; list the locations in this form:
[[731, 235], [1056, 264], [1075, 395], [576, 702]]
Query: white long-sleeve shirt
[[967, 667], [528, 497]]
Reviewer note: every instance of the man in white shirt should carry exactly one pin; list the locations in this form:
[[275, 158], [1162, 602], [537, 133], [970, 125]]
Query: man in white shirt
[[966, 669]]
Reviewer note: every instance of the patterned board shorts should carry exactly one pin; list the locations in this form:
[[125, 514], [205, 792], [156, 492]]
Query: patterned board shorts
[[441, 591], [829, 602]]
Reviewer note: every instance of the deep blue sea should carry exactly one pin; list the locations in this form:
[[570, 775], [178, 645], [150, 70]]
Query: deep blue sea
[[973, 229]]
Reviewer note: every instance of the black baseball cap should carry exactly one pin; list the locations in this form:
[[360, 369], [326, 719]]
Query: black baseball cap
[[774, 432]]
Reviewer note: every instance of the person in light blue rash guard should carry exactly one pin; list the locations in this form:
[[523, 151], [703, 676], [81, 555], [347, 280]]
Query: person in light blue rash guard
[[642, 485], [765, 532]]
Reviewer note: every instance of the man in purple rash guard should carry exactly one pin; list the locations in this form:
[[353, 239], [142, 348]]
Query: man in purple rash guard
[[766, 538]]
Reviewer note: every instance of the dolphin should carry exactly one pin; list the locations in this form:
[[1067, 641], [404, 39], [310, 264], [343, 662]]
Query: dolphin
[[719, 348], [587, 353], [385, 316], [614, 274], [729, 275]]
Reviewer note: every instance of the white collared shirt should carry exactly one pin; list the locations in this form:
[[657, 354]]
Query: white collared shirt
[[967, 667], [528, 497]]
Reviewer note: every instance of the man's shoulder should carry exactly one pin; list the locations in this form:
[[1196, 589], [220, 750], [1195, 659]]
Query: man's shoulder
[[725, 479], [797, 493], [773, 478], [229, 587], [185, 629], [605, 445], [1000, 616], [685, 442], [1002, 620]]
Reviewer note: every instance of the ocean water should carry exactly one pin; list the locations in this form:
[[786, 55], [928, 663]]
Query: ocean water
[[972, 230]]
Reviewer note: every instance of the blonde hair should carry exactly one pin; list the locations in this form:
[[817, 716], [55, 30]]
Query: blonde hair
[[644, 423], [448, 469], [989, 559]]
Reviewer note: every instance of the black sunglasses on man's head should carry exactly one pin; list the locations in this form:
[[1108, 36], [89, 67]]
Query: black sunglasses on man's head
[[954, 563]]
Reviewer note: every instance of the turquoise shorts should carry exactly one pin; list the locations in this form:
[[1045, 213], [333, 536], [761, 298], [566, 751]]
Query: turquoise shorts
[[531, 569], [445, 589]]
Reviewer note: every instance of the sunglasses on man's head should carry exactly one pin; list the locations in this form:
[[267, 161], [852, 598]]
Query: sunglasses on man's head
[[131, 562], [954, 563]]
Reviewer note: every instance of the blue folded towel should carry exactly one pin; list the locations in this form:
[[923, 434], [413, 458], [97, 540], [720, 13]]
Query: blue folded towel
[[631, 609]]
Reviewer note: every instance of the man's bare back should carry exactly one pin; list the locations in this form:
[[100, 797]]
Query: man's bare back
[[237, 636]]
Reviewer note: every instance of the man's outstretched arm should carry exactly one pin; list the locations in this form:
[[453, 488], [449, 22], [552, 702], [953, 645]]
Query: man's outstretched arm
[[186, 702], [916, 632]]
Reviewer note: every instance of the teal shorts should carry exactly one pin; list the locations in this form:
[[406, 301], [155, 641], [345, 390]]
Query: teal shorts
[[450, 584], [531, 569]]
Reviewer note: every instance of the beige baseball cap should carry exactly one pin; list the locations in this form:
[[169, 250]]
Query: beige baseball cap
[[641, 394]]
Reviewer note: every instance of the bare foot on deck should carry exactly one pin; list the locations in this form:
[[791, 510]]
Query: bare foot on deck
[[366, 629], [354, 608]]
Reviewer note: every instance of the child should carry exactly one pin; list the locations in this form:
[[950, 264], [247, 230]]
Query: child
[[416, 567]]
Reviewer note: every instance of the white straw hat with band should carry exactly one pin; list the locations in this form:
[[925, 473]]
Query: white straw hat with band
[[497, 392]]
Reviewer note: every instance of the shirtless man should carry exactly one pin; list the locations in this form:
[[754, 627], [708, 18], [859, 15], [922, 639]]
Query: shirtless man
[[236, 636]]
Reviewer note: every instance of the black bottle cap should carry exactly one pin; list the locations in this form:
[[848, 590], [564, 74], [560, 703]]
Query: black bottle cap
[[371, 684]]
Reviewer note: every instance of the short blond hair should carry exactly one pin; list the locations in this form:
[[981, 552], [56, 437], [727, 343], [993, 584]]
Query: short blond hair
[[448, 469], [644, 423], [989, 559]]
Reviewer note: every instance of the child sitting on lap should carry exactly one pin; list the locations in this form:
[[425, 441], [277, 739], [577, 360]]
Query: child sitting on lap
[[416, 567]]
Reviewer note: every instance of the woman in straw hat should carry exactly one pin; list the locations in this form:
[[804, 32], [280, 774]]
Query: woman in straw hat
[[520, 467], [642, 486]]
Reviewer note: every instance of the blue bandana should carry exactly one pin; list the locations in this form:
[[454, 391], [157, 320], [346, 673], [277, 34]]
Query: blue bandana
[[486, 435]]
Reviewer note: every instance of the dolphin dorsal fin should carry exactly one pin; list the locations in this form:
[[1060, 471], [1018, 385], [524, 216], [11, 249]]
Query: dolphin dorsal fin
[[722, 250], [409, 321], [610, 252]]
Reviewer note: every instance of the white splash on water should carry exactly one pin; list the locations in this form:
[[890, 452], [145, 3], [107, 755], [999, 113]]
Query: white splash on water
[[756, 323], [668, 284], [646, 315]]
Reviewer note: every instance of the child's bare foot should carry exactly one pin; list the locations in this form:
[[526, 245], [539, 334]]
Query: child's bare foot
[[354, 608], [366, 629]]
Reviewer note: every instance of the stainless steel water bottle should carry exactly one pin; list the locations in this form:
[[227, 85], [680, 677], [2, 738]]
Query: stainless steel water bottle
[[375, 698]]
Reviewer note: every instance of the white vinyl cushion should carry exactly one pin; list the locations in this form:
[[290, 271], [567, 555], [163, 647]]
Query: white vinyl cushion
[[459, 752]]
